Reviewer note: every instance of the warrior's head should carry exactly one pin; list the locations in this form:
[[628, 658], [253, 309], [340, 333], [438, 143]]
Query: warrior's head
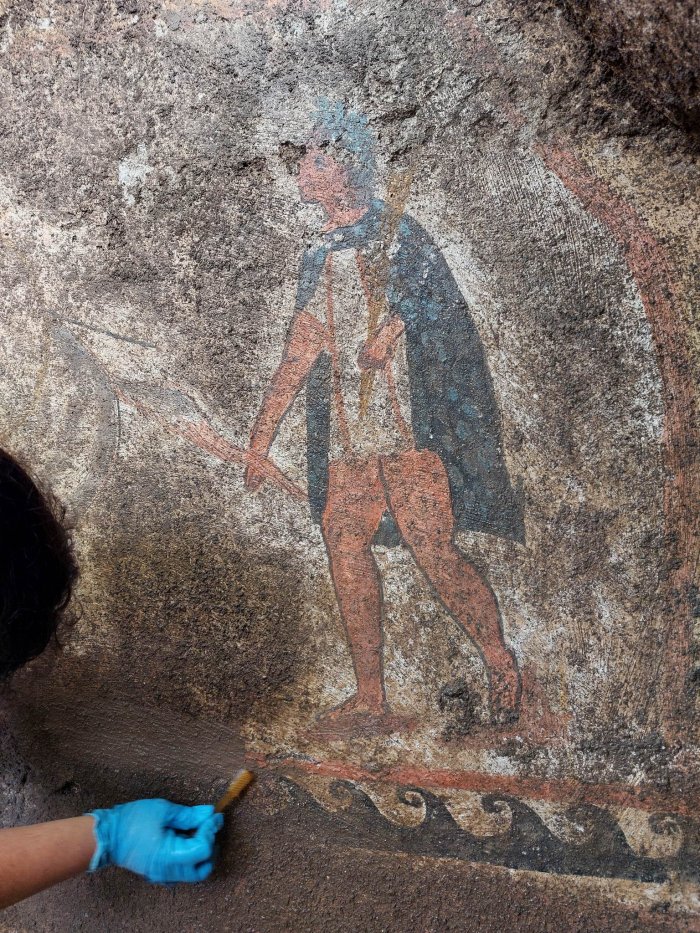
[[338, 169]]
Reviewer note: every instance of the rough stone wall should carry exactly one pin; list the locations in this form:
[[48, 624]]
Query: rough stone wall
[[652, 47], [537, 241]]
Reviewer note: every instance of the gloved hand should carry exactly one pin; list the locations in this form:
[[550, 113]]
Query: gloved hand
[[147, 837]]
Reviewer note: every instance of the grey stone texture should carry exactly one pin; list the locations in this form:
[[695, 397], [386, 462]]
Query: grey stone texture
[[151, 231]]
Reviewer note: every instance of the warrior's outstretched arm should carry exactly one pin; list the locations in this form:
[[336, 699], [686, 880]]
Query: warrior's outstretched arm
[[306, 339]]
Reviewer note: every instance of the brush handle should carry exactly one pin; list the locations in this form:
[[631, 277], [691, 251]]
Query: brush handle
[[235, 789]]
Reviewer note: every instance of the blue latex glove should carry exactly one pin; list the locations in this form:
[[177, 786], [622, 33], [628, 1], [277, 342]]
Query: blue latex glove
[[147, 837]]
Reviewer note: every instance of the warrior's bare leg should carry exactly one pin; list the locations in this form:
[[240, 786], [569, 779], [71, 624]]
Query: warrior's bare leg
[[419, 496], [354, 508]]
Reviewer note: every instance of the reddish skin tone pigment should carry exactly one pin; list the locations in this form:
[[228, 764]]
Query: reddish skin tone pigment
[[412, 485], [36, 857]]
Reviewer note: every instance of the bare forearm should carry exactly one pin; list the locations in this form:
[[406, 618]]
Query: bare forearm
[[35, 857], [307, 338]]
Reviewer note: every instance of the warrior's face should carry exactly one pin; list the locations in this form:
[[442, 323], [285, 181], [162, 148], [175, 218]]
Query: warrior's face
[[325, 181]]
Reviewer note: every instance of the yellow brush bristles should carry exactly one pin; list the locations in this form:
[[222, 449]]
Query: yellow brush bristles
[[235, 789]]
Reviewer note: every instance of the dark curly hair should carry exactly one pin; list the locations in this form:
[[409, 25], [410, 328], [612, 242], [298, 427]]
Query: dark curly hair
[[37, 566]]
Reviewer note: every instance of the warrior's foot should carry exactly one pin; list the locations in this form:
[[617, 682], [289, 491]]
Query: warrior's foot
[[505, 690], [355, 707], [358, 716]]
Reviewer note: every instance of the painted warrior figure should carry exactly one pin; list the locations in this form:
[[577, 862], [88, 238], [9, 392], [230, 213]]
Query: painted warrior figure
[[403, 427]]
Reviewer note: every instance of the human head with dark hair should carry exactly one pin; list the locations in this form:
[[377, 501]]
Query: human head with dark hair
[[338, 169], [37, 567]]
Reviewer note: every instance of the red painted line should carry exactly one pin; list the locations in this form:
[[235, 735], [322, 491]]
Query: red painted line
[[572, 793]]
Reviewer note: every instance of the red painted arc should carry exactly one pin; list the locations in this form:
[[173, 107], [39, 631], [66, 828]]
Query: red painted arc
[[652, 271]]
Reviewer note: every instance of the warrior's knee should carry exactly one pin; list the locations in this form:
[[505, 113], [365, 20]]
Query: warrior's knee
[[434, 545], [447, 563]]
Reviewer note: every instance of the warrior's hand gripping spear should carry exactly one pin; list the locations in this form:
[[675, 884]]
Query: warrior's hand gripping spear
[[179, 414]]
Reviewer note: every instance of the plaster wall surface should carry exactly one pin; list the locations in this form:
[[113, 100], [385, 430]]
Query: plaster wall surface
[[452, 627]]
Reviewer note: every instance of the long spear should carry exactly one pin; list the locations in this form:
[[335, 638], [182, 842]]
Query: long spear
[[375, 275], [189, 422]]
